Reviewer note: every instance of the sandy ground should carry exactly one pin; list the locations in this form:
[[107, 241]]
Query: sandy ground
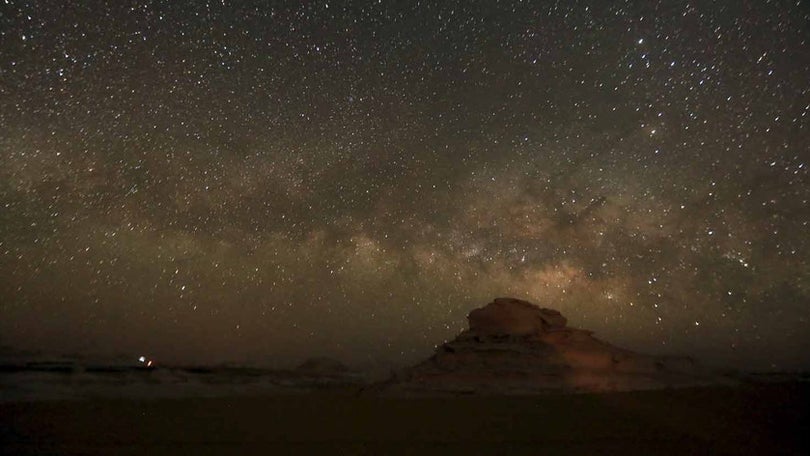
[[763, 419]]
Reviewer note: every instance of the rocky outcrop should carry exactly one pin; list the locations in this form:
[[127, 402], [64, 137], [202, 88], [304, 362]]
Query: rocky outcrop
[[515, 347], [514, 317]]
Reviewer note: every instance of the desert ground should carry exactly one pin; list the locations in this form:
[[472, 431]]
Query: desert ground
[[763, 418]]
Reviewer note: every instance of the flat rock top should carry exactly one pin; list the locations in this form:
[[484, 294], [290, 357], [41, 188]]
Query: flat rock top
[[510, 316]]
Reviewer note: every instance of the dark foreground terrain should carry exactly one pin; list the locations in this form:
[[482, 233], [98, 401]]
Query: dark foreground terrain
[[758, 419]]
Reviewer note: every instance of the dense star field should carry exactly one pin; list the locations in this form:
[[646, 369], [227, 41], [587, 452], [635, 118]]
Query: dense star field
[[217, 181]]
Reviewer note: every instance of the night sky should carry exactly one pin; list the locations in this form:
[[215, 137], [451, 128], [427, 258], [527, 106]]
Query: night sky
[[215, 181]]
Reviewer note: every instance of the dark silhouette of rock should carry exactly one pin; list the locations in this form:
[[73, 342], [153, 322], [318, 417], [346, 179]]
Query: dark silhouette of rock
[[515, 347]]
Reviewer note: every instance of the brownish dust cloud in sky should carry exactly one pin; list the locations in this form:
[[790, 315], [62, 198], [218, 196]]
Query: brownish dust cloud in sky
[[220, 181]]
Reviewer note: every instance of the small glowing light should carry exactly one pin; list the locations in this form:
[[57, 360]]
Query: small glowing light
[[149, 363], [142, 359]]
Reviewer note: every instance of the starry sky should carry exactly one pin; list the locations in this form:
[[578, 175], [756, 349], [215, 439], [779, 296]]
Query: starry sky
[[225, 181]]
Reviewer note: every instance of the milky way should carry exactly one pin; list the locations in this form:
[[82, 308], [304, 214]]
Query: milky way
[[218, 181]]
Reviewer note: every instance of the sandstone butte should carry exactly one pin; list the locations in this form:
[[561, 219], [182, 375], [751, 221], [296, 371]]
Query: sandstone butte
[[515, 347]]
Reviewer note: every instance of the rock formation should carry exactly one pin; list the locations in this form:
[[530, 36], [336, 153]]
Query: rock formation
[[515, 347]]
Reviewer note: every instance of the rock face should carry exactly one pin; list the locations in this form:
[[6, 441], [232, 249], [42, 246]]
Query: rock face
[[507, 316], [515, 347]]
